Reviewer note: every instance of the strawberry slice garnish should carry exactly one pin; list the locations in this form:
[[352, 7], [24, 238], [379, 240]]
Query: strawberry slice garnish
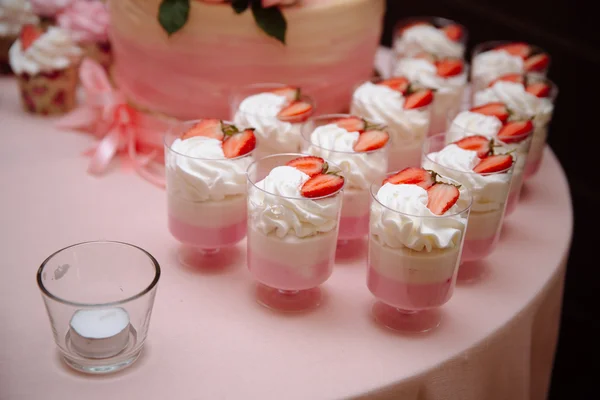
[[298, 111], [292, 93], [29, 34], [212, 128], [310, 165], [412, 176], [351, 124], [539, 89], [322, 185], [515, 131], [371, 140], [400, 84], [441, 196], [418, 99], [498, 110], [496, 163], [453, 32], [239, 144], [518, 49], [537, 63], [413, 24], [516, 78], [481, 144], [449, 67]]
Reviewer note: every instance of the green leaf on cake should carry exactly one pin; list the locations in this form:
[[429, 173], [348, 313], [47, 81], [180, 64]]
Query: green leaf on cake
[[173, 14], [239, 6], [270, 20]]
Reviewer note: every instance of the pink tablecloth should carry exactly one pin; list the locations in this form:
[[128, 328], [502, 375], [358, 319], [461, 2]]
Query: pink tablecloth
[[208, 338]]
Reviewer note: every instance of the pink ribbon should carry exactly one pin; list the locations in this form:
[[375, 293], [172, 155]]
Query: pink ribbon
[[122, 129]]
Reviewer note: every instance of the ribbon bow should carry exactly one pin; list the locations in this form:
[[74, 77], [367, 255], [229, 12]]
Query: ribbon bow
[[121, 128]]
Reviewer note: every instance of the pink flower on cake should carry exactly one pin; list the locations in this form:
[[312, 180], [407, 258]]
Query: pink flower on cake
[[49, 8], [86, 21]]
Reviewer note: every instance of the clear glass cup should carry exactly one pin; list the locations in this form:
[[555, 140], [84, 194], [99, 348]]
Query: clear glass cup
[[273, 136], [410, 284], [207, 210], [490, 195], [99, 297], [291, 240], [439, 46], [359, 170], [407, 128]]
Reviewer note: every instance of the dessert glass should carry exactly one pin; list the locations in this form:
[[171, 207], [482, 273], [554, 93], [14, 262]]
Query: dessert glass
[[402, 48]]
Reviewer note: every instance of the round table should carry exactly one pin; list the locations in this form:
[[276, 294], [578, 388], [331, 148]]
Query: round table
[[208, 337]]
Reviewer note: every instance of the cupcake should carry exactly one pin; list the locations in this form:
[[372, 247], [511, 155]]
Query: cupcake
[[13, 15], [46, 65], [87, 22], [48, 10]]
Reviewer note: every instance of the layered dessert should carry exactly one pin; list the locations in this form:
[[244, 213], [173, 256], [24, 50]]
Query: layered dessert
[[326, 47], [439, 37], [404, 110], [418, 223], [358, 147], [13, 15], [293, 225], [492, 60], [529, 97], [206, 183], [478, 163], [277, 114], [446, 76]]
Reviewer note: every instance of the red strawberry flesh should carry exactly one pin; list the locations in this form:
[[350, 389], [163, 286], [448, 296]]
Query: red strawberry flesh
[[371, 140], [412, 176], [481, 144], [292, 93], [310, 165], [29, 34], [518, 49], [322, 185], [495, 163], [497, 110], [515, 131], [454, 32], [298, 111], [539, 89], [516, 78], [441, 197], [239, 144], [418, 99], [211, 128], [537, 63], [400, 84], [449, 67], [351, 124]]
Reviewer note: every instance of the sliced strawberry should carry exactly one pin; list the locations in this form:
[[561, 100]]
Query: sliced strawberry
[[496, 163], [310, 165], [481, 144], [539, 89], [322, 185], [449, 67], [371, 140], [211, 128], [298, 111], [418, 99], [498, 110], [400, 84], [239, 144], [412, 176], [519, 49], [413, 24], [351, 124], [441, 196], [29, 34], [516, 78], [537, 63], [292, 93], [515, 131], [453, 32]]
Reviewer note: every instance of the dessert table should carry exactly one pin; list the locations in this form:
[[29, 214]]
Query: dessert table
[[208, 337]]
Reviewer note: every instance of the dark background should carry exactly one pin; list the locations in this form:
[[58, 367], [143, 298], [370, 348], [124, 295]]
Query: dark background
[[569, 31]]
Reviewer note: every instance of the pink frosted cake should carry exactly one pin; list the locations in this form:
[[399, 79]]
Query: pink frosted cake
[[329, 48]]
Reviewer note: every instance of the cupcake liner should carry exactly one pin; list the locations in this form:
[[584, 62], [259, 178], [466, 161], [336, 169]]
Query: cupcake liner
[[100, 52], [49, 93]]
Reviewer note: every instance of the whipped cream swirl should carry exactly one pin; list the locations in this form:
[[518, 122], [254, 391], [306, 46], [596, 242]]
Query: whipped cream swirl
[[86, 21], [197, 170], [429, 39], [260, 111], [414, 225], [336, 144], [49, 8], [468, 123], [13, 15], [283, 211], [425, 74], [54, 50], [381, 104], [493, 64]]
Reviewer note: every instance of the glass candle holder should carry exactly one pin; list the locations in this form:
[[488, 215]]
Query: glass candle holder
[[408, 275], [206, 200], [99, 298], [273, 135], [360, 169], [440, 37], [291, 240]]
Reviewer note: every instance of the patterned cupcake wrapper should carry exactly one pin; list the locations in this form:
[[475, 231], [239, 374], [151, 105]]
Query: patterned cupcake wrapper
[[49, 93]]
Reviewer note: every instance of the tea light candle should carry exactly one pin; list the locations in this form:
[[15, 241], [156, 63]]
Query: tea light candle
[[99, 333]]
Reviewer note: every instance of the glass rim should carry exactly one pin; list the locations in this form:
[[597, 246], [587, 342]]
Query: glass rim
[[375, 80], [254, 184], [237, 92], [46, 292], [451, 115], [462, 186]]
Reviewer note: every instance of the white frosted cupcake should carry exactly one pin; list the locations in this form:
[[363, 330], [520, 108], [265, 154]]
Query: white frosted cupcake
[[13, 15]]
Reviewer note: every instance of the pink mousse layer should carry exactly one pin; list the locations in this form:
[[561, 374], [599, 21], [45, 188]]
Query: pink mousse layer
[[353, 227], [532, 167], [277, 275], [207, 237], [408, 296], [201, 82], [474, 250]]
